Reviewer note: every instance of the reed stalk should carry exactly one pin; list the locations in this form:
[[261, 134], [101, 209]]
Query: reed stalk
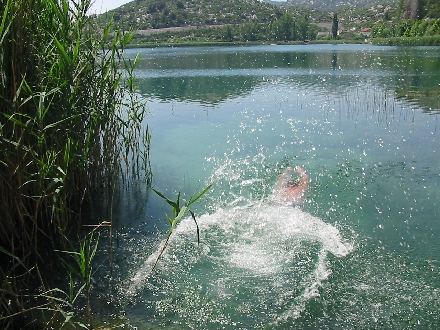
[[69, 113], [178, 212]]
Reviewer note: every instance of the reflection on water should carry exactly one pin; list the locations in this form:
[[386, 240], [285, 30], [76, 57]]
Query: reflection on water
[[361, 252], [428, 99], [203, 89], [211, 76]]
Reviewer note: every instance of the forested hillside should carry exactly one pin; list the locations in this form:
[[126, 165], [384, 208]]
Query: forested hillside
[[335, 4], [154, 14], [252, 20], [148, 14]]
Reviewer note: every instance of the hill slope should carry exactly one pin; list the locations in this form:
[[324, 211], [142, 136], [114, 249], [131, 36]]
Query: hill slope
[[330, 4], [147, 14]]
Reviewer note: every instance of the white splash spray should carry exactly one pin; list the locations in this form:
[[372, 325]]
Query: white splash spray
[[259, 257]]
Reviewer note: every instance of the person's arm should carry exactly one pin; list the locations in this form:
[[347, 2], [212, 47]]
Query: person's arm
[[304, 177]]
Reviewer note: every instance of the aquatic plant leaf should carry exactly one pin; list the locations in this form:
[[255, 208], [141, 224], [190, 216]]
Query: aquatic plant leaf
[[53, 183], [106, 31], [16, 121], [197, 226], [3, 31], [62, 50], [178, 213], [169, 219], [192, 200], [59, 122], [13, 256], [179, 216], [169, 201], [49, 294]]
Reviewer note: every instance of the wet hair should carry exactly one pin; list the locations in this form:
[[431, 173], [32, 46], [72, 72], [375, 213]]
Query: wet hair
[[292, 183]]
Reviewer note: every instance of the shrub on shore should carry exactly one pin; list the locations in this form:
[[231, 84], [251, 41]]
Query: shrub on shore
[[407, 41]]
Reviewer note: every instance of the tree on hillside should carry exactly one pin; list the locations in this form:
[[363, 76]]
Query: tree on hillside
[[228, 35], [284, 28], [287, 29], [429, 8], [249, 32], [335, 26], [303, 28]]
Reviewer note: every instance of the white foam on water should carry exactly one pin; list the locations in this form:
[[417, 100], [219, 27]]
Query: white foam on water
[[258, 263], [256, 257]]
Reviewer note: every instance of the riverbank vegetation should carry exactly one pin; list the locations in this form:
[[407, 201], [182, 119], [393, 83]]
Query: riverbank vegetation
[[70, 126], [417, 24], [407, 41], [407, 32], [160, 22]]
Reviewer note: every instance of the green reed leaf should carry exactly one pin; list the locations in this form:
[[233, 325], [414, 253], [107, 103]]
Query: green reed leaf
[[192, 200], [178, 217], [197, 226], [14, 257], [3, 29], [62, 51], [175, 205]]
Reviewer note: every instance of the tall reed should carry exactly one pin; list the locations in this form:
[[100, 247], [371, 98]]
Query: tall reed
[[68, 116]]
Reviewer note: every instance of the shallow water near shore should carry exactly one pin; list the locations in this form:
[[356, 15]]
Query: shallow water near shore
[[362, 250]]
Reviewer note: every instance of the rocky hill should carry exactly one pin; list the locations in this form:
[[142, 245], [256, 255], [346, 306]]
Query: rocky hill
[[156, 15], [148, 14], [159, 14], [331, 4]]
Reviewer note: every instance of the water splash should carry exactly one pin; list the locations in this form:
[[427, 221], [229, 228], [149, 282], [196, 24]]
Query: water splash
[[257, 263]]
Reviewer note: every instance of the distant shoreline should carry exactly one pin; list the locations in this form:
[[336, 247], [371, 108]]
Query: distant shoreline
[[242, 43], [408, 42], [395, 41]]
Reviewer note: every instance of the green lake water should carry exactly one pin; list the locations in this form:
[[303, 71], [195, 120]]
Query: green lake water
[[362, 252]]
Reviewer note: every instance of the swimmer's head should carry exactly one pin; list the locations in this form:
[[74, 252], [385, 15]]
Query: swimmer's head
[[292, 183]]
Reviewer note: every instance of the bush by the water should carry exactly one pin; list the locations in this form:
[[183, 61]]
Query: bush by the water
[[408, 41], [406, 28]]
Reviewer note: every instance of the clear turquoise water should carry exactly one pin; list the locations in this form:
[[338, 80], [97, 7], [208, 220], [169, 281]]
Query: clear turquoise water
[[363, 250]]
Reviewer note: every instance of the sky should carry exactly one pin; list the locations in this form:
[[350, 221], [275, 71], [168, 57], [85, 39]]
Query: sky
[[101, 6]]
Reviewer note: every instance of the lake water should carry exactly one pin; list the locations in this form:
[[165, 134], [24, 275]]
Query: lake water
[[362, 252]]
